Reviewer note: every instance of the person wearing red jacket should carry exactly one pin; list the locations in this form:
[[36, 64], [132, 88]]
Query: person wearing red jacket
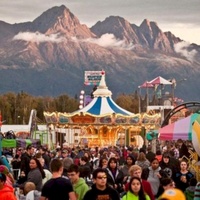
[[136, 171], [6, 191]]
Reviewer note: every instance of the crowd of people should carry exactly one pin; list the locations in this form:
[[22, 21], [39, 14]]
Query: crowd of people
[[107, 173]]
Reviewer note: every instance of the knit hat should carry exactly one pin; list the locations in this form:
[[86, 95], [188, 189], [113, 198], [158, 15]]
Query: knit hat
[[172, 194], [4, 169]]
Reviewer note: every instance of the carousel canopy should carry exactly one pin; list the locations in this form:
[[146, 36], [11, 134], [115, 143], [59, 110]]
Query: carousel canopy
[[102, 102], [104, 105]]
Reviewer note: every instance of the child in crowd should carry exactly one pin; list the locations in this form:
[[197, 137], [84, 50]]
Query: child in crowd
[[29, 192], [189, 191]]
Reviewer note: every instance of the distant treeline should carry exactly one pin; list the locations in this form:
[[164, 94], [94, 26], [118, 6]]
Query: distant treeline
[[16, 108]]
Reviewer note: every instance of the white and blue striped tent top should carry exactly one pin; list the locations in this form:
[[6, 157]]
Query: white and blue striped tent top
[[102, 102], [104, 105]]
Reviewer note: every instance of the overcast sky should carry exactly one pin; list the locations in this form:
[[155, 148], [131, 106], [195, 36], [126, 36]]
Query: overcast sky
[[181, 17]]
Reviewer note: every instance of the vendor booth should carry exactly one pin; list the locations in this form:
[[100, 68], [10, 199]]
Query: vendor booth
[[101, 123]]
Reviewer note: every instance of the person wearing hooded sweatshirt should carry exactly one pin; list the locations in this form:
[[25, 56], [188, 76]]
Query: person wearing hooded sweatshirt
[[79, 185], [100, 189], [6, 191], [167, 166], [115, 176], [153, 175], [128, 163]]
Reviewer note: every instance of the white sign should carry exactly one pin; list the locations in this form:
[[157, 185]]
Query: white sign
[[92, 77]]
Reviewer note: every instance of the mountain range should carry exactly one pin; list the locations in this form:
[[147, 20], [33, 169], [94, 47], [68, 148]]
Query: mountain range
[[48, 56]]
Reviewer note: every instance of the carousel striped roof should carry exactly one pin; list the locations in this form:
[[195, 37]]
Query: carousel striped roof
[[102, 102]]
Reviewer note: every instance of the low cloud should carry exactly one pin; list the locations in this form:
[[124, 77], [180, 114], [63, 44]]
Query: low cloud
[[38, 37], [182, 48], [108, 40]]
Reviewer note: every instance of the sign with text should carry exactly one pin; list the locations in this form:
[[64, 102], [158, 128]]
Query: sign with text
[[92, 77]]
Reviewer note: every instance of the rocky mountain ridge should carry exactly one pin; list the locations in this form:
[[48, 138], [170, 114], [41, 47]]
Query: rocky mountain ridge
[[49, 55]]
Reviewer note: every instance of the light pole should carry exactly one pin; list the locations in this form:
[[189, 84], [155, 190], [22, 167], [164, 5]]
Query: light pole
[[81, 102]]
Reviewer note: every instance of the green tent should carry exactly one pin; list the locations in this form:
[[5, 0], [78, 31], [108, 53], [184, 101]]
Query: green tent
[[15, 143], [12, 143]]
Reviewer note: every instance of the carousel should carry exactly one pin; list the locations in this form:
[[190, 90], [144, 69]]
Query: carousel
[[101, 123]]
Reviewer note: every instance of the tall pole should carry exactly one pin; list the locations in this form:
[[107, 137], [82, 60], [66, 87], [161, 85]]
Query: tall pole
[[173, 89], [173, 94], [139, 99], [147, 98]]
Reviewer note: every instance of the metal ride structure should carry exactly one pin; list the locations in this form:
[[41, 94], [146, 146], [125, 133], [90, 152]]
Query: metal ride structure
[[178, 109]]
